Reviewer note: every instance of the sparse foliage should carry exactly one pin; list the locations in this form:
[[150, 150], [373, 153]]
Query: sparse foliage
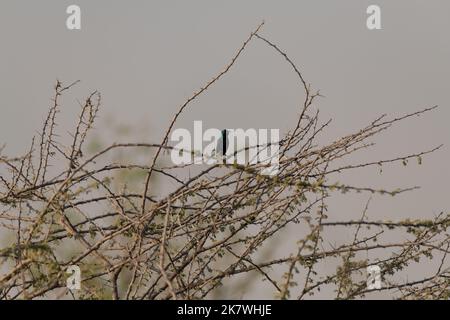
[[135, 240]]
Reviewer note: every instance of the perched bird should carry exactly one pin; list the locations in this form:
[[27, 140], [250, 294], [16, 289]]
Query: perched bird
[[222, 143]]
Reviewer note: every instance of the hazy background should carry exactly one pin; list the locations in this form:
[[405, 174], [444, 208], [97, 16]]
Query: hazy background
[[147, 57]]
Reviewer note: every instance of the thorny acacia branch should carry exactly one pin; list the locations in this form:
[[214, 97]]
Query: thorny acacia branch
[[134, 241]]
